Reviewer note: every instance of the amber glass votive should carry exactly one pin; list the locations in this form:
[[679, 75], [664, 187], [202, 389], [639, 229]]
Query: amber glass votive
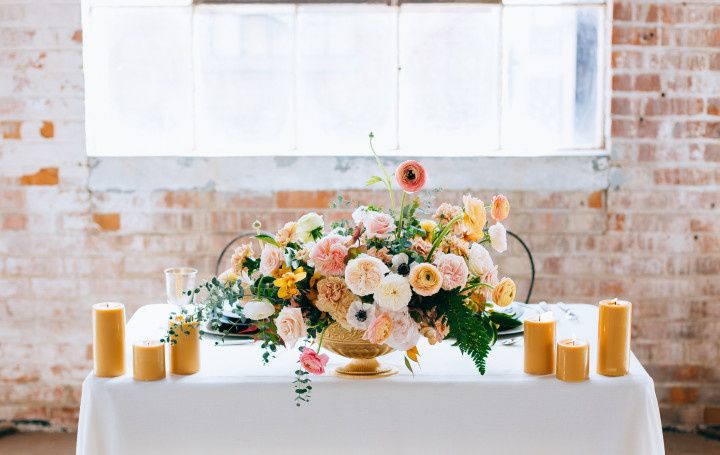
[[614, 337], [539, 344], [573, 360], [184, 346], [148, 360]]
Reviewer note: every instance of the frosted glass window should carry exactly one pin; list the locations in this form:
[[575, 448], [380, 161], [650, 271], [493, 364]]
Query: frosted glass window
[[177, 77], [449, 72], [551, 86], [347, 78], [244, 80], [139, 81]]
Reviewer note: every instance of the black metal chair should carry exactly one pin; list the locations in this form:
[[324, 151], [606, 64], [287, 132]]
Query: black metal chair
[[532, 263], [243, 235]]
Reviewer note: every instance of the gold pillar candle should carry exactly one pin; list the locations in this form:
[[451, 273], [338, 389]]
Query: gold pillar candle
[[109, 339], [184, 346], [614, 337], [148, 360], [573, 360], [539, 344]]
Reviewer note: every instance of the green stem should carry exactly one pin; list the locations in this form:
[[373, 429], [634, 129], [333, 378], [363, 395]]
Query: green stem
[[382, 169], [442, 235], [322, 334], [402, 214]]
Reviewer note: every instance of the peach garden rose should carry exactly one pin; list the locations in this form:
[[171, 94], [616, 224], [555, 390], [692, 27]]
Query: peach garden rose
[[271, 259], [364, 273], [454, 271], [379, 329], [329, 255], [290, 326]]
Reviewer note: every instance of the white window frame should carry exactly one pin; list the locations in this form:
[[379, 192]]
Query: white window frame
[[94, 112]]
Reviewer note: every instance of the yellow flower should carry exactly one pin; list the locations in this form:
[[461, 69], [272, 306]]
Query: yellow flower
[[474, 218], [504, 293], [476, 301], [280, 271], [413, 354], [287, 284], [429, 227]]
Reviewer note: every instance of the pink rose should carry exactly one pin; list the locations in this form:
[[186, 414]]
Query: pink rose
[[405, 331], [454, 271], [410, 176], [500, 207], [313, 362], [379, 329], [290, 326], [271, 259], [379, 225], [329, 255]]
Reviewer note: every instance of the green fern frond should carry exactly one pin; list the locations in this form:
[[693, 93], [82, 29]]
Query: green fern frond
[[473, 332]]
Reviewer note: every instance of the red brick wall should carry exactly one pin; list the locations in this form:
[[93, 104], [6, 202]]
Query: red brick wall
[[653, 237]]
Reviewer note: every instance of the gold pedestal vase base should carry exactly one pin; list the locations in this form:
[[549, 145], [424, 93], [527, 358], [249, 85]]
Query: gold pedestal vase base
[[363, 364], [365, 368]]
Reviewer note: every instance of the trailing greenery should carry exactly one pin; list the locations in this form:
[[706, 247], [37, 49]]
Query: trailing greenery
[[474, 334]]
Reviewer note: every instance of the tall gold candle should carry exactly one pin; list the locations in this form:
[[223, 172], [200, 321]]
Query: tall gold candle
[[184, 347], [148, 360], [109, 339], [539, 341], [573, 360], [614, 337]]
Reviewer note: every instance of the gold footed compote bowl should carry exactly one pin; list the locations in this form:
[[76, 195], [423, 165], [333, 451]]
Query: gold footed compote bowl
[[364, 363]]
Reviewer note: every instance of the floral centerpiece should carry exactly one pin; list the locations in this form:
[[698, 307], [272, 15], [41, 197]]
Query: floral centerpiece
[[390, 277]]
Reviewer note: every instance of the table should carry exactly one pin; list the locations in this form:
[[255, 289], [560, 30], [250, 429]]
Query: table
[[237, 405]]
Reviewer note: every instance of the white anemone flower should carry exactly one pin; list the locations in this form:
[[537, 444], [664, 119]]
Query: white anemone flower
[[360, 315]]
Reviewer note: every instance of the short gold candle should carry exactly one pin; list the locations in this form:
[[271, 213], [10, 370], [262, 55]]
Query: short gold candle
[[109, 339], [573, 360], [148, 360], [614, 337], [184, 347], [539, 344]]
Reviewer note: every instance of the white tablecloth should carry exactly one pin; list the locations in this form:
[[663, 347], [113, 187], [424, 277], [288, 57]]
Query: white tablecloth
[[237, 405]]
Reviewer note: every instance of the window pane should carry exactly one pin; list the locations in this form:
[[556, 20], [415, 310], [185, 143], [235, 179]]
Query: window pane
[[551, 84], [347, 78], [133, 108], [244, 85], [449, 60]]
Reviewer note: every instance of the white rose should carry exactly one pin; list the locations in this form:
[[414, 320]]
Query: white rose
[[479, 260], [308, 223], [258, 309], [290, 326], [498, 237], [394, 292], [405, 332], [358, 215]]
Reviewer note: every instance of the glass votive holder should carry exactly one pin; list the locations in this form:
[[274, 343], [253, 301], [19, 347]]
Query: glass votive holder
[[178, 281]]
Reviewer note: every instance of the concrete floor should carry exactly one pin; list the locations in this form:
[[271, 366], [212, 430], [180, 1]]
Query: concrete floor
[[64, 444]]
